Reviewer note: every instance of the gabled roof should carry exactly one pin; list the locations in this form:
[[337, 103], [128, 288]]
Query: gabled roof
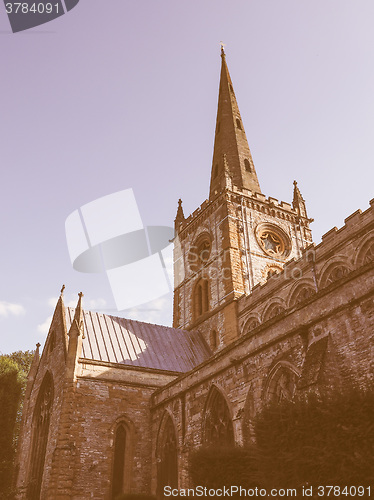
[[134, 343]]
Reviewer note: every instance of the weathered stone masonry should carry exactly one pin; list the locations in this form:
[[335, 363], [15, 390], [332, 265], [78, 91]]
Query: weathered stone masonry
[[260, 313]]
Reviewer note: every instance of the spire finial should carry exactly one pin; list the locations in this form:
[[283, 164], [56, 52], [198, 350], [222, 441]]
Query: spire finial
[[62, 290], [179, 218], [222, 48]]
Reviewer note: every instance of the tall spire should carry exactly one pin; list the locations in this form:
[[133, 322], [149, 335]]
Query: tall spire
[[230, 143]]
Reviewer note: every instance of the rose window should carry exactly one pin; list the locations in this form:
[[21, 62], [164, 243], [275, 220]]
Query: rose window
[[273, 240]]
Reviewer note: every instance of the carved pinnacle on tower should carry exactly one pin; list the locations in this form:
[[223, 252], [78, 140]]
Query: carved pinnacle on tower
[[230, 141]]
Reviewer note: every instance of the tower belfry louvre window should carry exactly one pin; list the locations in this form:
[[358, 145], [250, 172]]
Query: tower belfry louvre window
[[40, 431], [201, 297]]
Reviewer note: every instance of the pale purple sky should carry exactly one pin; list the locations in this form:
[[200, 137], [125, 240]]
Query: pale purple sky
[[123, 94]]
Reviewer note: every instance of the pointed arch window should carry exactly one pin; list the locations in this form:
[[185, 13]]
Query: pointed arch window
[[121, 468], [119, 461], [40, 431], [218, 424], [239, 124], [247, 166], [201, 297], [167, 473], [281, 384]]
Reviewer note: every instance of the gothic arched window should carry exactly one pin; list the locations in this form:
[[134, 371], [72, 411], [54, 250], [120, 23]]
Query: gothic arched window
[[247, 165], [40, 430], [167, 473], [282, 383], [201, 297], [218, 423], [118, 475]]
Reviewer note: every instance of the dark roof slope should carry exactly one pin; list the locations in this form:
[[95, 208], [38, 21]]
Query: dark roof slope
[[134, 343]]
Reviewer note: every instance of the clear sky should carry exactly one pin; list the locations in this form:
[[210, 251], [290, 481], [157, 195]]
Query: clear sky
[[123, 94]]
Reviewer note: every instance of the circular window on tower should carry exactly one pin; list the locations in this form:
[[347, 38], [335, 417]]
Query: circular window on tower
[[200, 251], [273, 240]]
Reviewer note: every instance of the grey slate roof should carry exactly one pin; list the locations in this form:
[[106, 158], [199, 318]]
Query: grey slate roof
[[134, 343]]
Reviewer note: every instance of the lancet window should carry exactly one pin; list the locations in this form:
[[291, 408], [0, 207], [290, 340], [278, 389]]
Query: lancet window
[[118, 474], [168, 458], [40, 431]]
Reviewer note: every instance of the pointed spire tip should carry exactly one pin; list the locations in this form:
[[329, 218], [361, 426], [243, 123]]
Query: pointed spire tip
[[222, 49]]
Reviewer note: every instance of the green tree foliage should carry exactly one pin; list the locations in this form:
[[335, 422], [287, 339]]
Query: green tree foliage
[[313, 441], [13, 373], [326, 440], [218, 467]]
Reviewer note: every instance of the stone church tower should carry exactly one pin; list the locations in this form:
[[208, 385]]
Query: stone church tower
[[237, 238]]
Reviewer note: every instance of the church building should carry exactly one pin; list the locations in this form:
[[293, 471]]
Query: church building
[[260, 313]]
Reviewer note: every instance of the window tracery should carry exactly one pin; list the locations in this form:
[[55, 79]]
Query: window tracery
[[369, 255], [282, 385], [273, 311], [251, 324], [336, 274], [301, 294], [273, 240], [218, 423]]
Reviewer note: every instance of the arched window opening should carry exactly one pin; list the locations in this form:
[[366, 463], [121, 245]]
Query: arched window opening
[[251, 324], [273, 311], [368, 256], [282, 384], [238, 124], [247, 166], [335, 274], [218, 424], [201, 297], [167, 474], [118, 477], [40, 431], [303, 293]]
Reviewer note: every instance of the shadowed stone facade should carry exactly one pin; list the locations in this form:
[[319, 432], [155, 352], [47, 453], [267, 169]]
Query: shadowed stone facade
[[260, 313]]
